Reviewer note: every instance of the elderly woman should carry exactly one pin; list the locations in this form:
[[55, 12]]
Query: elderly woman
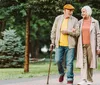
[[88, 45]]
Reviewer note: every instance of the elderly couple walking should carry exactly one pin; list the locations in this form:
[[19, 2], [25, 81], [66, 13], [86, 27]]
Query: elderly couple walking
[[66, 33]]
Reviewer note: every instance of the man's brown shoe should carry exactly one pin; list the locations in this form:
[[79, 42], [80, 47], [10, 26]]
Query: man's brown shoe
[[69, 82], [61, 78]]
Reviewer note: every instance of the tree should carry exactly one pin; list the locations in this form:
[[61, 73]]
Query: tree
[[11, 48], [26, 66], [43, 13]]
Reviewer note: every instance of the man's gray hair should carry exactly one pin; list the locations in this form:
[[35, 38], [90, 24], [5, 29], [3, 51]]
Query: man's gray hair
[[88, 9]]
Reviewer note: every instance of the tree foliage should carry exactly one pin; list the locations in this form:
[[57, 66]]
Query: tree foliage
[[43, 13], [11, 44], [11, 47]]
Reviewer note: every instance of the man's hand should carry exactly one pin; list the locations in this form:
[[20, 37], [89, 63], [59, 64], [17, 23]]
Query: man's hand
[[98, 52], [64, 32], [51, 47], [73, 30]]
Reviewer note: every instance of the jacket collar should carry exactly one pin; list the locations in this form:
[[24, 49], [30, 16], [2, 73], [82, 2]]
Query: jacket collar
[[69, 17], [93, 20], [92, 23]]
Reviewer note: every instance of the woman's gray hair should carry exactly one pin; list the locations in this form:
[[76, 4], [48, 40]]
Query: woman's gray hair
[[88, 9]]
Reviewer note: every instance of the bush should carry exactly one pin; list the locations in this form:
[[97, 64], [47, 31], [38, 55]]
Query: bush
[[11, 49]]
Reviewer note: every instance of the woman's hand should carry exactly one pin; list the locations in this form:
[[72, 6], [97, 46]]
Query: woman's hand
[[98, 52]]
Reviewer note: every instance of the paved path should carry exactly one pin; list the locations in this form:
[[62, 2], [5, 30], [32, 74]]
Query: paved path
[[42, 80]]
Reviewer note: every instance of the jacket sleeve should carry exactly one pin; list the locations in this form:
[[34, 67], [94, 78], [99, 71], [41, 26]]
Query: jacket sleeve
[[98, 35], [53, 31], [77, 27]]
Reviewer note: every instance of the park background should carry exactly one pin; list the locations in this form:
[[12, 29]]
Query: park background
[[25, 27]]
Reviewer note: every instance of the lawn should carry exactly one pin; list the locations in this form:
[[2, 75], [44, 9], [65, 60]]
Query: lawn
[[36, 69]]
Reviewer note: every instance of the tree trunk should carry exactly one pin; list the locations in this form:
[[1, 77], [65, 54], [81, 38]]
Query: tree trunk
[[26, 65], [32, 47], [37, 49], [2, 26]]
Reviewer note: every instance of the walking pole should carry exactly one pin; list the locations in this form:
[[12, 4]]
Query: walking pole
[[49, 66]]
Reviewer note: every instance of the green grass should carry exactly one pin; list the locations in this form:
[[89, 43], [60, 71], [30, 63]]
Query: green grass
[[98, 64], [36, 69]]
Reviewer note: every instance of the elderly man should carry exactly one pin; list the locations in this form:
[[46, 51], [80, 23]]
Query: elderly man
[[63, 37]]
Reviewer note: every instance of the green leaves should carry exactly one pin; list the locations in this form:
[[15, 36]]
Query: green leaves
[[2, 17], [23, 12], [11, 45]]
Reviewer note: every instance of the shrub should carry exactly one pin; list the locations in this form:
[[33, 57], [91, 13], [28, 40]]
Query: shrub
[[11, 49]]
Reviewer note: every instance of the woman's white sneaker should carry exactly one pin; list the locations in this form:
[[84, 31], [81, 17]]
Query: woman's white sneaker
[[82, 82], [89, 83]]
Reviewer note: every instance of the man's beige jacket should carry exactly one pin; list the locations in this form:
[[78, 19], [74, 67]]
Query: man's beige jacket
[[56, 29]]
